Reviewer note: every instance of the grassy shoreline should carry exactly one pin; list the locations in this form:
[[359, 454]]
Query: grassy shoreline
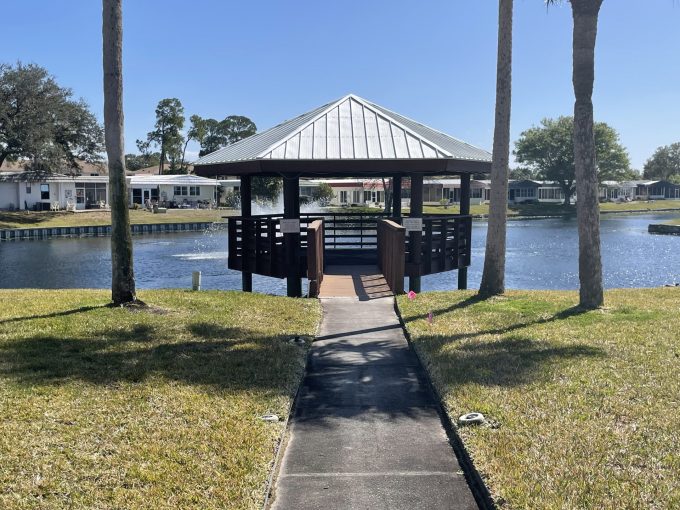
[[583, 407], [23, 219], [106, 407], [26, 219]]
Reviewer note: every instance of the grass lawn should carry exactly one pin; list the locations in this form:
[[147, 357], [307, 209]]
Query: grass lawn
[[546, 209], [106, 407], [28, 219], [584, 408]]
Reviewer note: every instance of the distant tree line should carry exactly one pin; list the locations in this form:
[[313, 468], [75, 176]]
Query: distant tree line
[[664, 164], [546, 152], [167, 143]]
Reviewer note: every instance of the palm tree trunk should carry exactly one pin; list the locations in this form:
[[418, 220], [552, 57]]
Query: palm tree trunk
[[493, 278], [123, 280], [585, 13]]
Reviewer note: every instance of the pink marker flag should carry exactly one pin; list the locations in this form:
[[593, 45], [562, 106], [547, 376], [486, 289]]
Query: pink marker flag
[[430, 317], [411, 295]]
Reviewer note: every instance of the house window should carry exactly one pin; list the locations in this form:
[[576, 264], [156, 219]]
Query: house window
[[343, 197], [44, 192], [356, 197], [367, 196], [28, 189], [94, 193], [181, 191], [136, 195], [194, 191], [550, 194], [525, 193]]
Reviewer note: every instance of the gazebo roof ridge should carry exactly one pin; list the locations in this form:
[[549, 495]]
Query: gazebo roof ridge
[[352, 128], [335, 104]]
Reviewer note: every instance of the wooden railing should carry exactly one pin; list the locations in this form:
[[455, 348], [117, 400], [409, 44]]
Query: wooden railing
[[446, 245], [315, 248], [391, 239], [255, 245], [355, 231]]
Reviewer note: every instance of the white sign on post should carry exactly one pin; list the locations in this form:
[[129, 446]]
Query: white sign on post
[[290, 226], [412, 224]]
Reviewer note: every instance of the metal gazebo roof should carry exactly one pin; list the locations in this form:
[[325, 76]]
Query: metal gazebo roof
[[347, 137]]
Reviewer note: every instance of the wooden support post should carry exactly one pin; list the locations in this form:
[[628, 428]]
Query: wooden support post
[[291, 242], [396, 196], [416, 238], [246, 212], [464, 210]]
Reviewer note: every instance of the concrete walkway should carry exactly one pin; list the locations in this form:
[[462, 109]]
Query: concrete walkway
[[366, 433]]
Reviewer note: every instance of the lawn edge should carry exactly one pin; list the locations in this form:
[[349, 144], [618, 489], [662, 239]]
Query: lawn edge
[[270, 493], [478, 487]]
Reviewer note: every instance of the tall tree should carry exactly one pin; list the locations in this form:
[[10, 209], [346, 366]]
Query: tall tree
[[664, 163], [591, 291], [212, 134], [237, 127], [548, 151], [493, 277], [123, 279], [585, 14], [42, 125], [167, 134]]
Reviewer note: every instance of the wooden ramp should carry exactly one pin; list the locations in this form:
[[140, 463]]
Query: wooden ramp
[[362, 282]]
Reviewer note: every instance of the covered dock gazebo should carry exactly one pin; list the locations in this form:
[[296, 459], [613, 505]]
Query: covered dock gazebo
[[350, 137]]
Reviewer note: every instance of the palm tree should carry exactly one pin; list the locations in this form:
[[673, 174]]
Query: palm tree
[[123, 279], [585, 14], [493, 278]]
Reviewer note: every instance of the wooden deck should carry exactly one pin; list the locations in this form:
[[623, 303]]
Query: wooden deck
[[362, 282]]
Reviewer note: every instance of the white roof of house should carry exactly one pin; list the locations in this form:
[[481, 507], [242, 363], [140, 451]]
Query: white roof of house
[[171, 179], [346, 129], [30, 176]]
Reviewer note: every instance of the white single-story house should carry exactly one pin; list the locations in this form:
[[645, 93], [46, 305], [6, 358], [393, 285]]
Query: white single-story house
[[657, 190], [172, 190], [437, 190], [44, 192], [639, 190], [40, 192], [346, 192], [527, 190]]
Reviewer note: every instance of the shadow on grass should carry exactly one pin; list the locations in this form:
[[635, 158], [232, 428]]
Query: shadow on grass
[[512, 361], [215, 356], [25, 219], [64, 313], [573, 311]]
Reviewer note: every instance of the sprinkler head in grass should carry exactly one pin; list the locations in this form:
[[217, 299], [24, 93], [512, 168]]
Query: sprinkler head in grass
[[296, 340], [270, 417], [471, 419]]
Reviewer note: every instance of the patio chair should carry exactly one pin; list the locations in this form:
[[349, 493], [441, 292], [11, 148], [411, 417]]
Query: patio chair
[[55, 206]]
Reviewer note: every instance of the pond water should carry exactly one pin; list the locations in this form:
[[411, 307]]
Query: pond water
[[541, 254]]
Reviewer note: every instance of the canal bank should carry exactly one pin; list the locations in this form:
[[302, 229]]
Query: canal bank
[[35, 233]]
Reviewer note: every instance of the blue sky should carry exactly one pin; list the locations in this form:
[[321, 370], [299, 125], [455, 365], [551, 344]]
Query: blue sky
[[433, 61]]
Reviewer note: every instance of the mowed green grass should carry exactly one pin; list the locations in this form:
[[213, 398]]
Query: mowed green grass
[[584, 408], [551, 209], [105, 408], [47, 219]]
